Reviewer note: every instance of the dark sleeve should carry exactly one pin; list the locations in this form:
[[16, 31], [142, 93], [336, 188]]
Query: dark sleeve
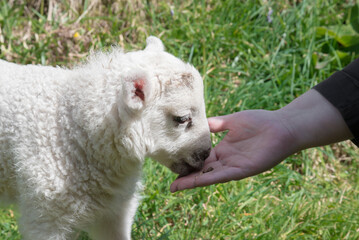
[[342, 90]]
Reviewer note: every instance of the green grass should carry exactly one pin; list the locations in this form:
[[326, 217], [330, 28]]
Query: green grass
[[246, 63]]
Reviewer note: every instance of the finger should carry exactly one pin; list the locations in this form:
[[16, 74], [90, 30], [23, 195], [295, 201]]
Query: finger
[[186, 182], [214, 173], [198, 180], [189, 181], [212, 156], [218, 124]]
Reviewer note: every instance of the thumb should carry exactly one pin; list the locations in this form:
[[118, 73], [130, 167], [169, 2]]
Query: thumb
[[218, 124]]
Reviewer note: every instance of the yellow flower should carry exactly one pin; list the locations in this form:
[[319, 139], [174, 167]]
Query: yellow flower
[[76, 35]]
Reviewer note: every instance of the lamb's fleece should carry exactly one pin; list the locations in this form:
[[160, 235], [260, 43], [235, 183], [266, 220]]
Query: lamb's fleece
[[72, 141], [41, 115]]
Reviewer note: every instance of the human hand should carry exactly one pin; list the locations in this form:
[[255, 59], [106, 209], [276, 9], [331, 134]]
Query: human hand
[[256, 141]]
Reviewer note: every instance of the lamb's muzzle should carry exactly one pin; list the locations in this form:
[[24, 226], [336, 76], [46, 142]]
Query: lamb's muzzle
[[195, 163]]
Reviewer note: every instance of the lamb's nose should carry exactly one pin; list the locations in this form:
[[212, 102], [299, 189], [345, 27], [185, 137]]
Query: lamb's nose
[[202, 155]]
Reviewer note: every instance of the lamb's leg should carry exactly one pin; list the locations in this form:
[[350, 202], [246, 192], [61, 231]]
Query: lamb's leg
[[117, 224], [36, 224]]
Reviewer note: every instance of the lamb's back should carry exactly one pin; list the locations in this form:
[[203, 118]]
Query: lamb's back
[[29, 97]]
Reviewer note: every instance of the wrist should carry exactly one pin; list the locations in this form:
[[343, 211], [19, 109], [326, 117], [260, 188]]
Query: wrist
[[313, 121], [291, 138]]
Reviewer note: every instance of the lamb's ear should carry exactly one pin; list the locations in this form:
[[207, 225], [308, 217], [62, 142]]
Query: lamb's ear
[[154, 44], [137, 91]]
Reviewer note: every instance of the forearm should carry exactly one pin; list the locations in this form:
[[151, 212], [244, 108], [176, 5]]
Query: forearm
[[314, 121]]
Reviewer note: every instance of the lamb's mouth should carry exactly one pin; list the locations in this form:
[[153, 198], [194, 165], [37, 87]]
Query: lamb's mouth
[[183, 168], [194, 163]]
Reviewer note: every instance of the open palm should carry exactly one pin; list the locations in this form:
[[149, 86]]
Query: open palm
[[256, 141]]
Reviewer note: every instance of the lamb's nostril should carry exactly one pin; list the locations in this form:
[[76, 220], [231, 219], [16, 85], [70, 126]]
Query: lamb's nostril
[[205, 154], [201, 155]]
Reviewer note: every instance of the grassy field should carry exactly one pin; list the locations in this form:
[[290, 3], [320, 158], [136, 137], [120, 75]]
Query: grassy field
[[252, 55]]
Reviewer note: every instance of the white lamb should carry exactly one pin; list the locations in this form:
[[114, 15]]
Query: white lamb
[[73, 142]]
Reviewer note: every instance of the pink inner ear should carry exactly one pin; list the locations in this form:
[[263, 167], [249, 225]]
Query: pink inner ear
[[139, 89]]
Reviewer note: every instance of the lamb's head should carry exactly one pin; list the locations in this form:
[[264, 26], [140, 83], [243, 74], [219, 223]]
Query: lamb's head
[[166, 96]]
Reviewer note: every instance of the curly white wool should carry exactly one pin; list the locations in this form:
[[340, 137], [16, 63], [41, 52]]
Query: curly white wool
[[72, 141]]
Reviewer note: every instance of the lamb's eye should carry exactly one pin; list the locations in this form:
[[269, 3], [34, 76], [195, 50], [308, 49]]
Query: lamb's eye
[[182, 120]]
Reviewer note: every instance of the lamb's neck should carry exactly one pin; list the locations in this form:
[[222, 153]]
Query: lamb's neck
[[96, 131]]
